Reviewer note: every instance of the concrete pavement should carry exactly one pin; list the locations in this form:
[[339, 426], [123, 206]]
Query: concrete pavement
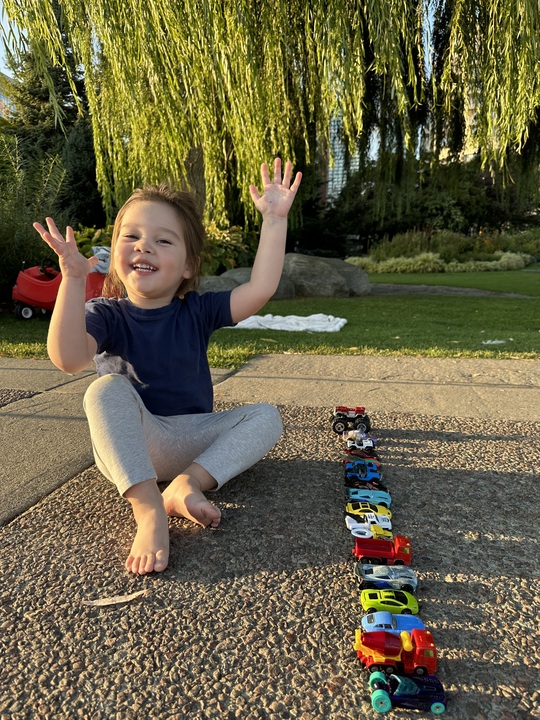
[[45, 439]]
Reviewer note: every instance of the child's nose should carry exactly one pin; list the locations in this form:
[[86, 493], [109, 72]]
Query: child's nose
[[142, 244]]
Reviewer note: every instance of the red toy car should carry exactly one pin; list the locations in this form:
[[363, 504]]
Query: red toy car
[[36, 288], [383, 552]]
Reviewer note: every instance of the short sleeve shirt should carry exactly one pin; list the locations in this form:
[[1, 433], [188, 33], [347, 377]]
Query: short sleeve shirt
[[163, 351]]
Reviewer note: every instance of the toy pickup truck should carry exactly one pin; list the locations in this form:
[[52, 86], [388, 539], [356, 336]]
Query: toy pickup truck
[[383, 552], [411, 653]]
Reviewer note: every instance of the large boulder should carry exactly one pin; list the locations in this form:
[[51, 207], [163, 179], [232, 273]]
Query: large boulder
[[215, 283], [303, 276], [357, 279], [285, 291], [314, 277]]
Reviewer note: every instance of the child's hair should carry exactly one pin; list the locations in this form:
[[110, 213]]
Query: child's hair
[[183, 203]]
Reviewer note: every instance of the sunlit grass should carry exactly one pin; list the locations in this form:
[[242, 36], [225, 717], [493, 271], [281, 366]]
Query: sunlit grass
[[414, 325]]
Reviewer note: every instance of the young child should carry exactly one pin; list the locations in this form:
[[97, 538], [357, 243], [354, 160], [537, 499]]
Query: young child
[[150, 410]]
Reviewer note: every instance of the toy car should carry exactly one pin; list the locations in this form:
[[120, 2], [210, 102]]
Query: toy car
[[359, 436], [371, 531], [381, 552], [387, 621], [415, 693], [363, 467], [361, 508], [384, 577], [356, 480], [411, 653], [377, 497], [368, 519], [362, 452], [397, 602], [346, 417]]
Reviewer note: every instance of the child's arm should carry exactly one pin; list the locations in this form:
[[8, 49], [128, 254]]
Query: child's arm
[[69, 346], [274, 205]]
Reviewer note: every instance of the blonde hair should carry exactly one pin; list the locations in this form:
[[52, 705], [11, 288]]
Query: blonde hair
[[183, 203]]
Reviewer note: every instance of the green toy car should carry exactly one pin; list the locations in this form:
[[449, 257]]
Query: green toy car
[[398, 602]]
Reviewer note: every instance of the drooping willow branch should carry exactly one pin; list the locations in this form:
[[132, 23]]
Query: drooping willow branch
[[190, 86]]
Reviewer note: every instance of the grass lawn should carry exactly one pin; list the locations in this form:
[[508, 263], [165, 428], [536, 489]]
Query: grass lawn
[[429, 326], [524, 282]]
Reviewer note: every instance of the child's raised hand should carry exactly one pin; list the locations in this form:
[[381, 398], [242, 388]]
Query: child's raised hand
[[72, 262], [277, 194]]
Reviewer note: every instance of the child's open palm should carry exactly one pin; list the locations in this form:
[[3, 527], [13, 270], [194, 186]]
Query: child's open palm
[[277, 194], [72, 262]]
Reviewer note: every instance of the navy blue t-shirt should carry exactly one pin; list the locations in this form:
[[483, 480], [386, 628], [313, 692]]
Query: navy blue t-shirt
[[162, 352]]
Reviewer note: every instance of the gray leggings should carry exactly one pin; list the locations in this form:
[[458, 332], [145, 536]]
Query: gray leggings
[[132, 445]]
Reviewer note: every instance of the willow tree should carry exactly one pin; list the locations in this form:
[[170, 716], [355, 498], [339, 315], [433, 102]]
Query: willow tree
[[187, 89]]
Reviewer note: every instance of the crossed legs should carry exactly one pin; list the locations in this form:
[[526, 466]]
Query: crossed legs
[[196, 453]]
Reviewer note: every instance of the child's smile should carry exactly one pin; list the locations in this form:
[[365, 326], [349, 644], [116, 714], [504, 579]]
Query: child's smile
[[150, 253]]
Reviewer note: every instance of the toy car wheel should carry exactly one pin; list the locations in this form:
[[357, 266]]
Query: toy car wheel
[[363, 424], [376, 677], [420, 671], [339, 426], [406, 611], [408, 588], [380, 701], [371, 610], [437, 708]]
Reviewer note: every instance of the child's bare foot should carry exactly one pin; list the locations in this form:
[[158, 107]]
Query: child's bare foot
[[150, 549], [185, 498]]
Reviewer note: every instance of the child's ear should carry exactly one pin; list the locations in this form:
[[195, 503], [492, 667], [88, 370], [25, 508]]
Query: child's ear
[[188, 272]]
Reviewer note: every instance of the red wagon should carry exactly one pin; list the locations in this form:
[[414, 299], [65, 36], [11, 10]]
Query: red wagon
[[36, 288]]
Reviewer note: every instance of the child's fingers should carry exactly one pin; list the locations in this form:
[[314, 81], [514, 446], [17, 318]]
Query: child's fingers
[[277, 171], [297, 181], [287, 174], [265, 174], [255, 195]]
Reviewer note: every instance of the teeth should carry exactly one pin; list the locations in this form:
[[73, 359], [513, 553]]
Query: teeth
[[142, 266]]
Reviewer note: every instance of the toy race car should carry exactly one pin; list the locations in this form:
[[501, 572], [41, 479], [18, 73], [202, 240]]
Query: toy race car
[[366, 451], [416, 693], [377, 497], [344, 418], [388, 622], [397, 602], [367, 519], [361, 508], [357, 481], [386, 577]]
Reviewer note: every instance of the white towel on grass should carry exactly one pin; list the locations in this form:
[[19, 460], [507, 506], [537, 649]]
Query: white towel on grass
[[309, 323]]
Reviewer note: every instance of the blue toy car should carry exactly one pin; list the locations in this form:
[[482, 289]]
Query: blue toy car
[[378, 497], [364, 467], [387, 621], [416, 693]]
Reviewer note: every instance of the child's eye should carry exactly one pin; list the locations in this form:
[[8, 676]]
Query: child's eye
[[130, 236], [164, 242]]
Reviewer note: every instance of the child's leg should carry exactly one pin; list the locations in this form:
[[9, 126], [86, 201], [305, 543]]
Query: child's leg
[[119, 425], [232, 441]]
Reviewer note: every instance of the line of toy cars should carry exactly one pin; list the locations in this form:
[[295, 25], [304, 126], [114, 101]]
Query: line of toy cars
[[392, 642]]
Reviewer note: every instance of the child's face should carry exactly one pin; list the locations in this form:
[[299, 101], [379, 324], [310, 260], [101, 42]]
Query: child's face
[[150, 253]]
